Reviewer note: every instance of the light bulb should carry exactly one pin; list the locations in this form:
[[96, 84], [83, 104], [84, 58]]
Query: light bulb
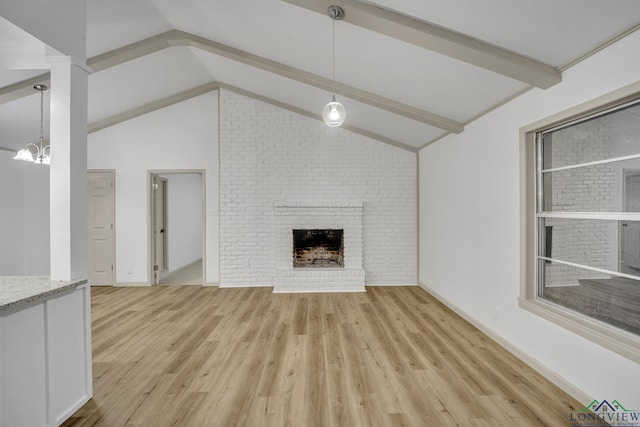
[[334, 114]]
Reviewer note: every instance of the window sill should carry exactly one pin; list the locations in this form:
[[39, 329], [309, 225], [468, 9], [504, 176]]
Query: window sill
[[619, 341]]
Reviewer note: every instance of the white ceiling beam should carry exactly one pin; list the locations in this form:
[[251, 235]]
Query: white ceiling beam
[[129, 52], [180, 38], [23, 88], [191, 93], [152, 106], [97, 63], [441, 40], [319, 82]]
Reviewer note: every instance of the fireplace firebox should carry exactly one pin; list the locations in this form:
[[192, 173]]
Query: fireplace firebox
[[318, 248]]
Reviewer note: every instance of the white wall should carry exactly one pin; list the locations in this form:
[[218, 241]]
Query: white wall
[[11, 215], [469, 226], [184, 219], [270, 154], [36, 219], [24, 217], [181, 136]]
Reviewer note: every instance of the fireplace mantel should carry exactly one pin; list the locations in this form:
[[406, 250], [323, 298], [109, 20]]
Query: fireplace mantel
[[345, 215]]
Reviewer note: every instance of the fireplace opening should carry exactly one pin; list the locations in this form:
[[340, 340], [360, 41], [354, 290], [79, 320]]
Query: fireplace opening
[[318, 248]]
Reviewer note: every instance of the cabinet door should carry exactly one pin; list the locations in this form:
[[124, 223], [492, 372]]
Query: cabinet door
[[69, 364], [23, 386]]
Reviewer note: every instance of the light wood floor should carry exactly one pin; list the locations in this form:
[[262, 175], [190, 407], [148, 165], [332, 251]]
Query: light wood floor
[[393, 356]]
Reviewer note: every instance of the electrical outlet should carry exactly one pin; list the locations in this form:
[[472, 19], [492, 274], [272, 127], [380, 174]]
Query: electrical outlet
[[496, 313], [129, 270]]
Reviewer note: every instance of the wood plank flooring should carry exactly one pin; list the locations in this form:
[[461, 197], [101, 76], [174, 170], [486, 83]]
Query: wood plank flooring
[[393, 356]]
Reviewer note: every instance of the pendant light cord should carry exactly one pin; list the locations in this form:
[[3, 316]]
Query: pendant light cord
[[333, 58], [333, 55]]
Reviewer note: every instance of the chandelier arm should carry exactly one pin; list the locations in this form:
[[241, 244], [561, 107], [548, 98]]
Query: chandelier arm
[[31, 144]]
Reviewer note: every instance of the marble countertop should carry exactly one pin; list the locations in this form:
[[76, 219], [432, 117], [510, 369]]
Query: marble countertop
[[18, 290]]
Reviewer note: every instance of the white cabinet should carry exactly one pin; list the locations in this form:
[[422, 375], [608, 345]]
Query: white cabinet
[[45, 359]]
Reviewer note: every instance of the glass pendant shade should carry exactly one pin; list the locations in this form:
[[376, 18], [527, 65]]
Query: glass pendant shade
[[25, 155], [334, 113]]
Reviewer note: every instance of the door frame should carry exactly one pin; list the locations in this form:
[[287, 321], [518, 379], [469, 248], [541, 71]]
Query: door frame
[[157, 274], [624, 172], [113, 216], [150, 216]]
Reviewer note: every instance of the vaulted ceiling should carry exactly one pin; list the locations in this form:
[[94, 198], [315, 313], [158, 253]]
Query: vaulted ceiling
[[407, 71]]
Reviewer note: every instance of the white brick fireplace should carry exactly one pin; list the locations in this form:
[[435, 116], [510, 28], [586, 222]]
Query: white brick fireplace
[[273, 159], [346, 216]]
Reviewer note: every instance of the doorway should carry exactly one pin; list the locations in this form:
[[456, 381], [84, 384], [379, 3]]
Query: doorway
[[176, 227], [101, 223]]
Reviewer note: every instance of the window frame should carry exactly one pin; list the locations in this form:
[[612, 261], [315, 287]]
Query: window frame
[[624, 343]]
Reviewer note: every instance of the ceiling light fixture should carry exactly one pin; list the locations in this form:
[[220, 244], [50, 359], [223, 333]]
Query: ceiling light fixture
[[334, 113], [31, 152]]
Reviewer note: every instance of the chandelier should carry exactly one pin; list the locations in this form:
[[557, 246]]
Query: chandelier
[[37, 153]]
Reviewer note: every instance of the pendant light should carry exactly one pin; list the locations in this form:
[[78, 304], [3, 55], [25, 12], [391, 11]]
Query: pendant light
[[334, 113], [31, 152]]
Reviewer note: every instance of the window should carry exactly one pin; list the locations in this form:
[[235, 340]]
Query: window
[[581, 221]]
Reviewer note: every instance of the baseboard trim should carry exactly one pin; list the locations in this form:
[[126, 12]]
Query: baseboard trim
[[318, 291], [533, 363], [130, 284], [244, 286], [390, 284], [305, 291]]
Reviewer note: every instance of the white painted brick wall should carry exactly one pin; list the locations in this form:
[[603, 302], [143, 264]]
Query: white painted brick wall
[[269, 154]]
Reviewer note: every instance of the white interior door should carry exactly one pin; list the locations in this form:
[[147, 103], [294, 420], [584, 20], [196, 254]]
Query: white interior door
[[101, 228], [630, 230]]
